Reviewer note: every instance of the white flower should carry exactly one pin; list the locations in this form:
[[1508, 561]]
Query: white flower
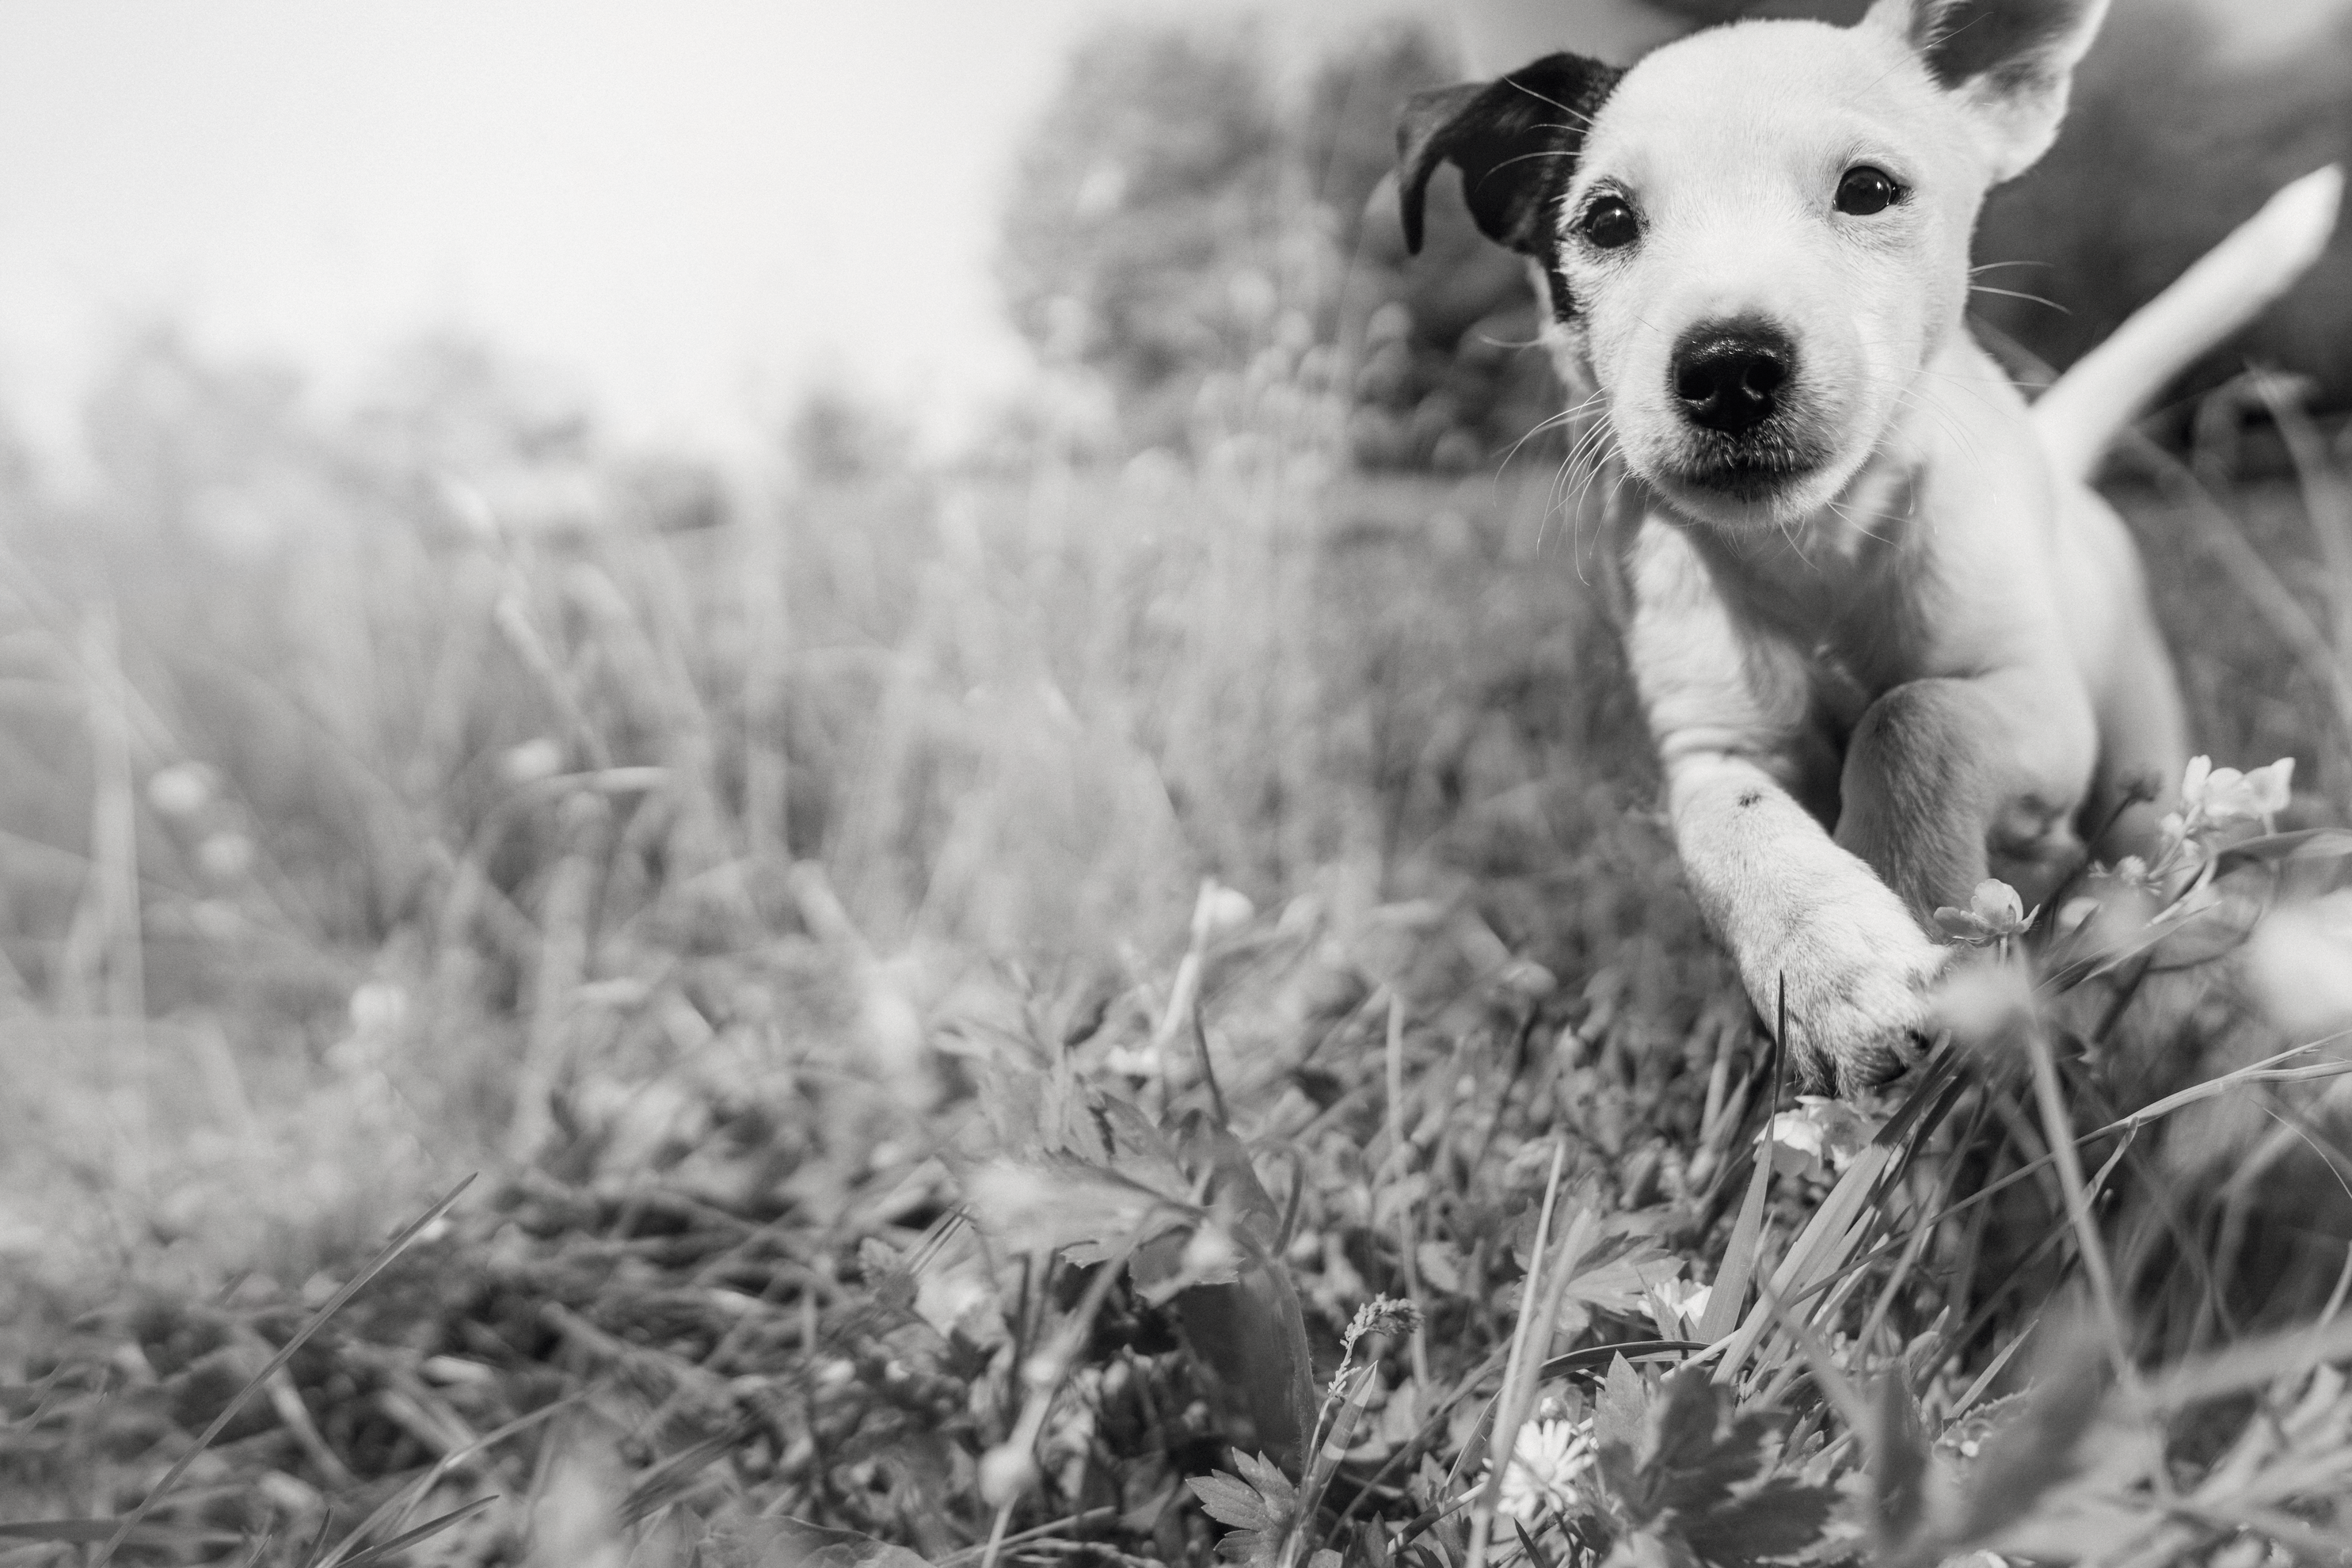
[[2221, 797], [1827, 1133], [183, 789], [1679, 1306], [1545, 1463], [532, 761], [1995, 913], [1795, 1129]]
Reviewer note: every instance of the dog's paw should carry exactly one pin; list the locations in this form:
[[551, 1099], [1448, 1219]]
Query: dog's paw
[[1859, 999]]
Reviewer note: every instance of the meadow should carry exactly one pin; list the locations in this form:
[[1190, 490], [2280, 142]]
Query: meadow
[[1122, 1002], [1040, 1013]]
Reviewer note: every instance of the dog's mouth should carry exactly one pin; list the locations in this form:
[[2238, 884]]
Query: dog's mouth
[[1755, 469]]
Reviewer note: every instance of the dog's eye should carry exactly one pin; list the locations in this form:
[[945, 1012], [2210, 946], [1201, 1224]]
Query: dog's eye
[[1866, 190], [1610, 223]]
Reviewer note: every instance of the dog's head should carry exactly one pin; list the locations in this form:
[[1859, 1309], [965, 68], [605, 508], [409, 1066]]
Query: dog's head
[[1758, 237]]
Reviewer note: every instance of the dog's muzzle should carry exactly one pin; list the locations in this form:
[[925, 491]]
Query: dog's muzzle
[[1728, 375]]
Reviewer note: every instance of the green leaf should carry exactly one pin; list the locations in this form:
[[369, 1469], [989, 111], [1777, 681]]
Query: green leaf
[[1780, 1519], [1623, 1406], [2313, 843], [1899, 1466], [1654, 1549], [1686, 1423], [1260, 1503], [1619, 1418], [2035, 1450], [1229, 1499], [1271, 1483], [87, 1530], [1211, 1153], [1616, 1277], [753, 1542], [1247, 1330]]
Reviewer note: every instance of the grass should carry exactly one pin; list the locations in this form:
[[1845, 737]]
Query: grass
[[1047, 1015]]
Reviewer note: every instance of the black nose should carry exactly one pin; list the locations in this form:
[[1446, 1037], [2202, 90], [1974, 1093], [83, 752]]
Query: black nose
[[1728, 375]]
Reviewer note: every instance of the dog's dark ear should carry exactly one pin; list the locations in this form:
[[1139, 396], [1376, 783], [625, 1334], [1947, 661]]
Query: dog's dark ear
[[2010, 62], [1516, 141]]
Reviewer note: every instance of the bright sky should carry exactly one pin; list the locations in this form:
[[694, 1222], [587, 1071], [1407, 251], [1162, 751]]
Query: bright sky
[[689, 205]]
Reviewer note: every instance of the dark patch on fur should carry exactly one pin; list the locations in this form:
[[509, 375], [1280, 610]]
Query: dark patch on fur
[[1516, 141], [1753, 797], [2005, 42]]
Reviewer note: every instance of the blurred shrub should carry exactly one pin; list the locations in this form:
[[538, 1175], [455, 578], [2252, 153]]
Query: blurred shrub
[[1446, 372], [1174, 216], [2173, 141], [1139, 237]]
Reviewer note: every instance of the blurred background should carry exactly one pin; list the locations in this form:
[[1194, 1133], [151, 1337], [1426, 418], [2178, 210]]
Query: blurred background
[[577, 580]]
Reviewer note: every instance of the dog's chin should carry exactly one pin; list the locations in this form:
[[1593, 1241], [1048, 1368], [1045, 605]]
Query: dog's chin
[[1741, 490]]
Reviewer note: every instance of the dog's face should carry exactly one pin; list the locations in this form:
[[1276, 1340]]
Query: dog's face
[[1758, 237]]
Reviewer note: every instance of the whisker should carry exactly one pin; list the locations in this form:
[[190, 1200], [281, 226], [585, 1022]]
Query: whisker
[[2014, 294], [1540, 98], [1541, 152], [1562, 417]]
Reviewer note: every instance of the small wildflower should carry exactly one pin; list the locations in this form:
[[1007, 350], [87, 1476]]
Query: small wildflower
[[1218, 911], [532, 761], [2225, 795], [1828, 1133], [183, 789], [1006, 1472], [1677, 1306], [2213, 798], [1995, 913], [1545, 1464]]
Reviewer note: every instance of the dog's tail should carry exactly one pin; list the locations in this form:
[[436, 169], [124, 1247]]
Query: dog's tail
[[2233, 283]]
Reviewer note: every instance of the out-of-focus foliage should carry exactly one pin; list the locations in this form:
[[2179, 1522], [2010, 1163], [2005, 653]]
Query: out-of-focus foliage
[[2171, 143], [1141, 237], [1446, 369], [1174, 216]]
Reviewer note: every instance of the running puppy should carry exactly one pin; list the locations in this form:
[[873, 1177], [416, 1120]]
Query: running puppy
[[1889, 640]]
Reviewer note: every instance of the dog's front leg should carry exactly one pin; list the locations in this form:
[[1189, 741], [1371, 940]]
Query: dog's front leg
[[1806, 920]]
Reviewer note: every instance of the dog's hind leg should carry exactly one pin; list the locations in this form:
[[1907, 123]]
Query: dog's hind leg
[[1948, 781]]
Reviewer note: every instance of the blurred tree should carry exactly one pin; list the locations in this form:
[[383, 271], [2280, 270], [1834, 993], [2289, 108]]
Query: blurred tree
[[2171, 141], [1138, 241], [1446, 369], [1347, 123]]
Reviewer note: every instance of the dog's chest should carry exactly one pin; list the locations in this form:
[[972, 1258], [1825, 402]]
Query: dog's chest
[[1852, 619]]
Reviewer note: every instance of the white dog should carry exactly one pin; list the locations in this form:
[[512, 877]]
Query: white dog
[[1889, 642]]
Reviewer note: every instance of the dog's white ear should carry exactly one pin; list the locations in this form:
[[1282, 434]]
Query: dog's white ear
[[1516, 141], [2009, 63]]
